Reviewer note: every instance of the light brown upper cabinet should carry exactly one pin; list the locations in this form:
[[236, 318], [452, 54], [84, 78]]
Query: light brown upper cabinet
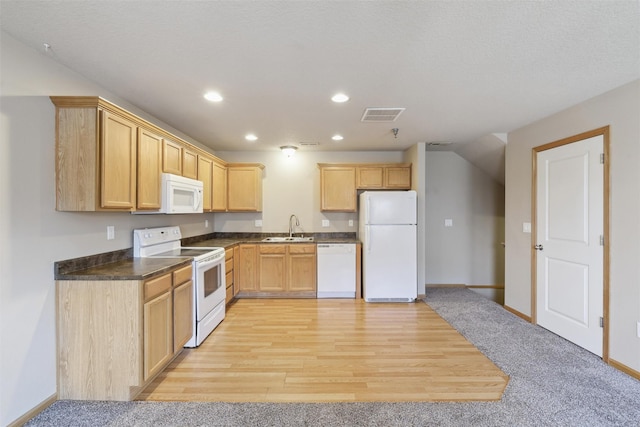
[[205, 174], [149, 164], [219, 197], [397, 177], [117, 162], [339, 182], [384, 177], [95, 157], [171, 157], [108, 159], [244, 184], [189, 164], [370, 177], [337, 188]]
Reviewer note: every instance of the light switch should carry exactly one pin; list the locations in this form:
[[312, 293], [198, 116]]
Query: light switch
[[526, 227], [258, 223], [325, 222], [206, 223], [350, 223], [111, 232], [448, 222]]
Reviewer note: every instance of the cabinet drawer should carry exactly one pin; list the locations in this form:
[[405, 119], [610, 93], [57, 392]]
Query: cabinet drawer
[[302, 249], [228, 254], [182, 275], [228, 265], [273, 249], [157, 286], [229, 279]]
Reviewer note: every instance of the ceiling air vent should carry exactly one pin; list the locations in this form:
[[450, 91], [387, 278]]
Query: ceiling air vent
[[309, 144], [438, 143], [381, 114]]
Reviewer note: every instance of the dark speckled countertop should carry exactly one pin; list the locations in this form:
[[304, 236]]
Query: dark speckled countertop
[[226, 240], [120, 265], [117, 265]]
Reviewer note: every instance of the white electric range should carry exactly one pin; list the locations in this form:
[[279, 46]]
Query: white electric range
[[208, 274]]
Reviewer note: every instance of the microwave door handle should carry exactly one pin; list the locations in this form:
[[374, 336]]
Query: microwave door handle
[[196, 199]]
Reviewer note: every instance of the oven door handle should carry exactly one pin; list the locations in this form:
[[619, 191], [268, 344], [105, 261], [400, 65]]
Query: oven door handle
[[203, 264]]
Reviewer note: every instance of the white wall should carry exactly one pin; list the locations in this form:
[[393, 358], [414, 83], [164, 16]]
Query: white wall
[[469, 252], [620, 109], [416, 155], [32, 234], [292, 186]]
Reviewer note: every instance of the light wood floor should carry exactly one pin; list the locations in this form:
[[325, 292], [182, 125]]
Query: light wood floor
[[327, 350]]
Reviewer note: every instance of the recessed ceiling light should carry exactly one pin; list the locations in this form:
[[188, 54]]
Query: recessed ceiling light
[[339, 97], [337, 137], [213, 96], [251, 137]]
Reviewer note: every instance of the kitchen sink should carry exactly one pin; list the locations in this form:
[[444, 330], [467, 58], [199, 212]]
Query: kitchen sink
[[288, 239]]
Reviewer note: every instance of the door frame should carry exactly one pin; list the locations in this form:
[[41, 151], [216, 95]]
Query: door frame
[[604, 131]]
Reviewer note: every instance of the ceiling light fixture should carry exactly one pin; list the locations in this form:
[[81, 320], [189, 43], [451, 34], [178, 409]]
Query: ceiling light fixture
[[339, 98], [213, 97], [395, 132], [288, 150], [337, 137], [251, 137]]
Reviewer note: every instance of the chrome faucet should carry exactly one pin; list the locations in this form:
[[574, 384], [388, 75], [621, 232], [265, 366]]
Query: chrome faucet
[[292, 225]]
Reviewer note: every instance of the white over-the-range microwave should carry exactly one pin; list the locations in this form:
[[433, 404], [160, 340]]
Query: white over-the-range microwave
[[179, 195]]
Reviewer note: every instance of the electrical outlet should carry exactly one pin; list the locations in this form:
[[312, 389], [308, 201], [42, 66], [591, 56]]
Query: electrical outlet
[[325, 222], [258, 223], [206, 223], [350, 223], [638, 329], [111, 232], [448, 222]]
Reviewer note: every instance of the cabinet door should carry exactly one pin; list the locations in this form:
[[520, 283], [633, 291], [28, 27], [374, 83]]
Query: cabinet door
[[370, 177], [247, 267], [182, 315], [171, 157], [244, 185], [397, 177], [236, 270], [149, 164], [272, 268], [338, 188], [205, 173], [117, 162], [189, 164], [219, 197], [158, 334], [302, 268]]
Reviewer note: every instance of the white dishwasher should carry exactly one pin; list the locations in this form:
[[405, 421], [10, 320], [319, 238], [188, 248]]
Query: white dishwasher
[[336, 270]]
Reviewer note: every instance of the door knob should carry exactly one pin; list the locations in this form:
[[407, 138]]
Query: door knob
[[538, 247]]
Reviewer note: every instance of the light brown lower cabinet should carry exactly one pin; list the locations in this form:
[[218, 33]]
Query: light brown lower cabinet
[[158, 334], [229, 274], [275, 270], [114, 336]]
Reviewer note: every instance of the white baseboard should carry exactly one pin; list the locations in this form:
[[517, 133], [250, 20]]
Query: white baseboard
[[35, 411]]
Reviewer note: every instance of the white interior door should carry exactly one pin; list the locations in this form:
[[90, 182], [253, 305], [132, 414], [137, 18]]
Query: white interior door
[[569, 229]]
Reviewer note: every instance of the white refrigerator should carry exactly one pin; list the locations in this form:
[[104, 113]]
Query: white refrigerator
[[388, 232]]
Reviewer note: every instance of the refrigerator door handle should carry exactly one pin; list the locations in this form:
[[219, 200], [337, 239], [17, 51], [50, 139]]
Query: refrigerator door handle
[[368, 209], [368, 237]]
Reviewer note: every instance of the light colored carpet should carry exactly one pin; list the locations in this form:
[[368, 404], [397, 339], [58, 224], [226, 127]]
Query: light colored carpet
[[553, 383]]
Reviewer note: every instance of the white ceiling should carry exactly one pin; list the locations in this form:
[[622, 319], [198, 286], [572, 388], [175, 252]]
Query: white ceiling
[[462, 70]]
